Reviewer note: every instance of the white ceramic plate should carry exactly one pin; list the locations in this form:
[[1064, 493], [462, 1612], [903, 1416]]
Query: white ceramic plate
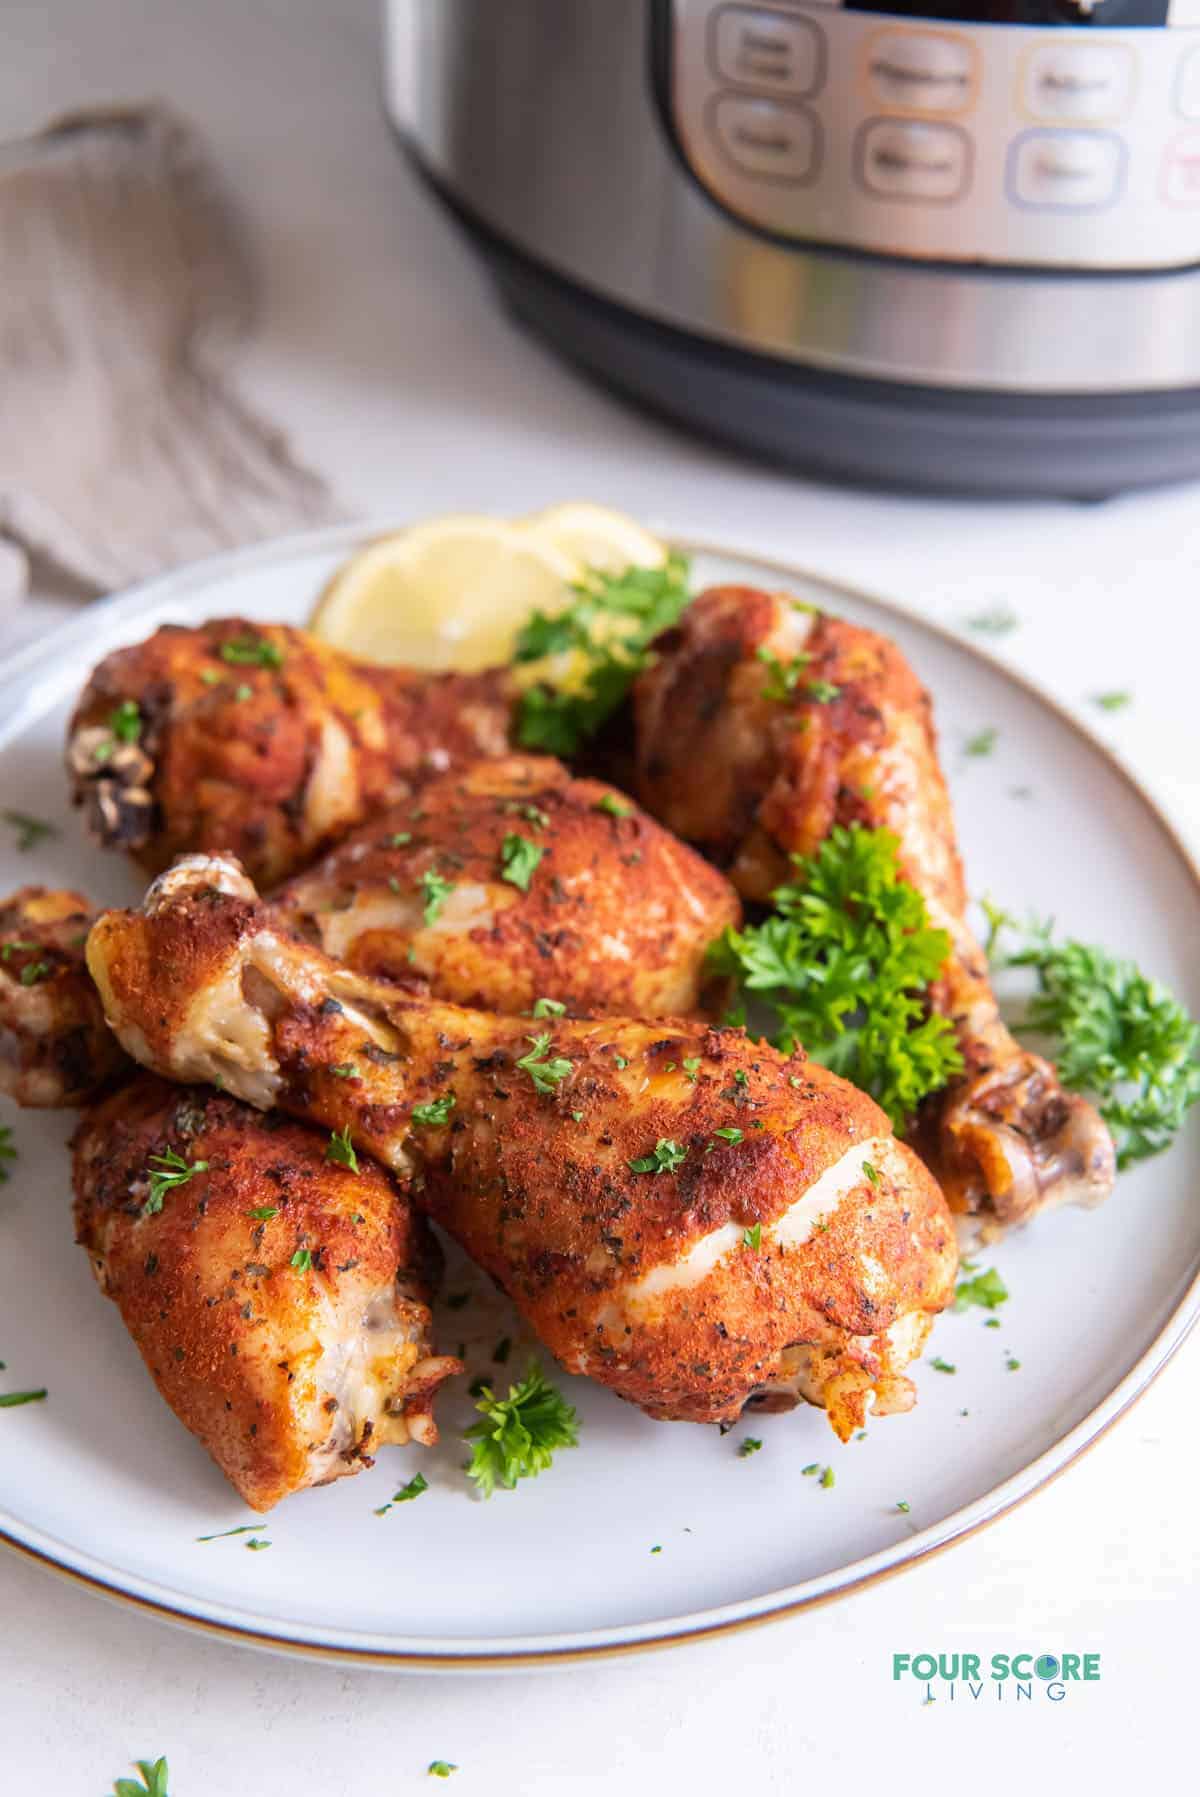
[[103, 1483]]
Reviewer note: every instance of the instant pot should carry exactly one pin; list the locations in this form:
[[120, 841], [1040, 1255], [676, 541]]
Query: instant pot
[[952, 245]]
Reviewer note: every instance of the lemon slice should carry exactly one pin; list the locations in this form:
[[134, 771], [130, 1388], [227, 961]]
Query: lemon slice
[[452, 593], [596, 536]]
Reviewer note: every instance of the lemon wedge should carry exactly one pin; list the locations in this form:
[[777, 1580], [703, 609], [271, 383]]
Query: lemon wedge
[[596, 536], [451, 593]]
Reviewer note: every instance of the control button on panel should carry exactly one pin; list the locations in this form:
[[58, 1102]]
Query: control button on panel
[[1181, 171], [1066, 171], [921, 71], [766, 138], [906, 160], [1084, 82], [1187, 86], [775, 52]]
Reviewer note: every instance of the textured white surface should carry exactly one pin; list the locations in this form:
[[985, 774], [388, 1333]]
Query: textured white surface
[[382, 349]]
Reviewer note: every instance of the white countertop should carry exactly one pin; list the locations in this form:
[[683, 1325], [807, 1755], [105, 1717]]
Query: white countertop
[[381, 348]]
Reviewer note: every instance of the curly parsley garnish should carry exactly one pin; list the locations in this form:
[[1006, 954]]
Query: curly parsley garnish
[[603, 638], [846, 962], [436, 1112], [251, 652], [1115, 1035], [546, 1073], [169, 1170], [663, 1158], [519, 858], [435, 890], [341, 1150], [517, 1436], [153, 1782]]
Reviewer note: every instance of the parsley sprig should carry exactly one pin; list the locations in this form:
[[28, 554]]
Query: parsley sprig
[[1115, 1035], [168, 1170], [604, 636], [518, 1436], [545, 1071], [664, 1157], [845, 962]]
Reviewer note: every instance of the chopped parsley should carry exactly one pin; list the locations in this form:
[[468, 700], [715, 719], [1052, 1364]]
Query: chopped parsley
[[986, 1289], [999, 620], [1112, 701], [904, 1506], [752, 1236], [872, 1172], [1012, 1365], [822, 692], [10, 1399], [614, 806], [343, 1070], [256, 1544], [435, 890], [982, 743], [168, 1170], [749, 1444], [262, 1213], [8, 1151], [302, 1260], [691, 1068], [663, 1158], [942, 1366], [33, 971], [1114, 1034], [251, 652], [126, 721], [603, 639], [732, 1136], [441, 1768], [826, 1481], [153, 1781], [545, 1072], [783, 677], [436, 1112], [548, 1007], [246, 1528], [416, 1485], [400, 839], [519, 858], [30, 830], [340, 1150], [518, 1436], [846, 961], [814, 1466]]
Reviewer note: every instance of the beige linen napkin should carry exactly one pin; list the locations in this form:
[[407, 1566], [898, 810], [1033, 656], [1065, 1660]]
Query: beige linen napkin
[[123, 289]]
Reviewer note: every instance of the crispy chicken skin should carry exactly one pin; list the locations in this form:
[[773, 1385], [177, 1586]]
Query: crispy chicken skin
[[55, 1047], [259, 740], [803, 1255], [616, 917], [289, 1375], [855, 743]]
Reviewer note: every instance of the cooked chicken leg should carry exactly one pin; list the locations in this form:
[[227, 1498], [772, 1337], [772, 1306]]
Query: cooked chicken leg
[[851, 740], [511, 881], [278, 1300], [693, 1220], [55, 1047], [261, 741]]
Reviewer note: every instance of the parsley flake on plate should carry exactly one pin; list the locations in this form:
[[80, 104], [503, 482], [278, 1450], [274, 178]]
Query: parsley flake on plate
[[665, 1156], [9, 1400], [846, 961], [942, 1366], [153, 1781], [29, 830], [749, 1444], [985, 1289], [982, 743], [1112, 701], [518, 1436], [416, 1485], [441, 1768]]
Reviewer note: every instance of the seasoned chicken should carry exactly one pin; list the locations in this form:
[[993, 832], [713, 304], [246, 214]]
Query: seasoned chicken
[[695, 1221], [279, 1300], [511, 881], [259, 740], [55, 1047], [850, 739]]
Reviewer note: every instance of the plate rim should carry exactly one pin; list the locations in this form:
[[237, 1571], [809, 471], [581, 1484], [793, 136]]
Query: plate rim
[[560, 1648]]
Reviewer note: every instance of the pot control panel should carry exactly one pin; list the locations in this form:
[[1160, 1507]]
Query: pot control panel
[[1069, 141]]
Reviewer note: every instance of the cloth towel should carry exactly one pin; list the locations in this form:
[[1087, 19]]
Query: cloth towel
[[124, 288]]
